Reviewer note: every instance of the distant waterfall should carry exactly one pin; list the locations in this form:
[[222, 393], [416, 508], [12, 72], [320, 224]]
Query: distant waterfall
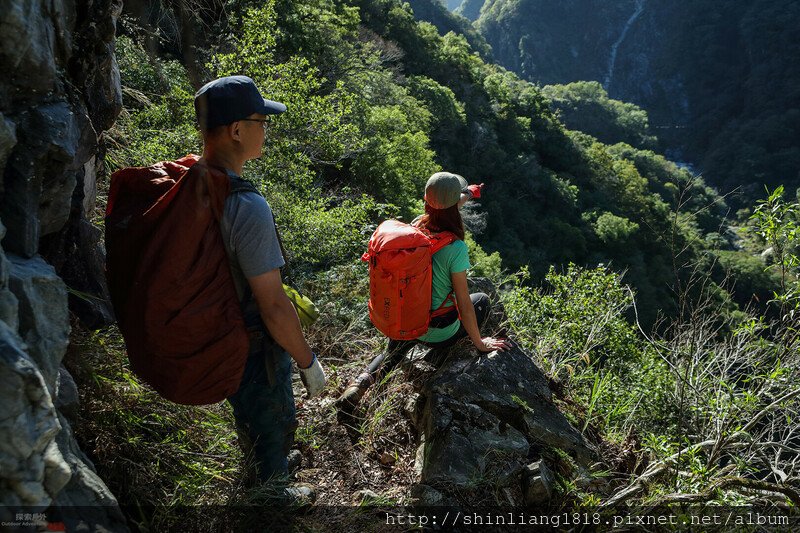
[[613, 59]]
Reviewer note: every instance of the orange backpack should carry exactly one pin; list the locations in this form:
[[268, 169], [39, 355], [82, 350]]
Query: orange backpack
[[170, 282], [400, 274]]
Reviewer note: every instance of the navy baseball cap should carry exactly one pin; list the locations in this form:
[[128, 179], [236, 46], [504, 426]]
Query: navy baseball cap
[[229, 99]]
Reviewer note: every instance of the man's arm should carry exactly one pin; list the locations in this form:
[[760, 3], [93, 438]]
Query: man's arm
[[280, 317]]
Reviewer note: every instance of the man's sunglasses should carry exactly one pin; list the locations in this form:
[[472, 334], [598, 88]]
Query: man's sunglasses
[[263, 121]]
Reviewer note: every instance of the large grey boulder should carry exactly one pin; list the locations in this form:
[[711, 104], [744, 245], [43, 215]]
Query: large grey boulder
[[54, 140], [43, 314], [485, 416], [85, 501], [466, 445], [32, 470], [41, 465], [72, 143]]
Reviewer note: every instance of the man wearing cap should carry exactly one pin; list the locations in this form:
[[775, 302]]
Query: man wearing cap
[[233, 117]]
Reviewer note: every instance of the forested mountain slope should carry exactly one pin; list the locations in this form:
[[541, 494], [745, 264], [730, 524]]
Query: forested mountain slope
[[422, 95], [721, 84], [557, 196], [445, 21]]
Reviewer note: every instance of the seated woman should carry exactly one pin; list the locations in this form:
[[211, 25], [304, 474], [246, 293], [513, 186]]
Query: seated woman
[[445, 193]]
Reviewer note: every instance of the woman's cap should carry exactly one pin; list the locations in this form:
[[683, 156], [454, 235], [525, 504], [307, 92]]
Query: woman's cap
[[444, 189], [229, 99]]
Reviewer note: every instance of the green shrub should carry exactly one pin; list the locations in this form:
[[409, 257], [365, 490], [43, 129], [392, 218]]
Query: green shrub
[[777, 222], [577, 321], [158, 122], [483, 264], [612, 229], [578, 331]]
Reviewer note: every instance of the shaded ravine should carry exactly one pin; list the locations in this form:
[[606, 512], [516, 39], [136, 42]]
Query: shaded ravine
[[613, 58]]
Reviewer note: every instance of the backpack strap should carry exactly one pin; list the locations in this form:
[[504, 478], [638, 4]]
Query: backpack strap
[[249, 305], [439, 241], [241, 185]]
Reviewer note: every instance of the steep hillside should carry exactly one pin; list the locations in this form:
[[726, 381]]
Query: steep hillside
[[405, 98], [471, 9], [435, 12], [720, 85], [556, 194]]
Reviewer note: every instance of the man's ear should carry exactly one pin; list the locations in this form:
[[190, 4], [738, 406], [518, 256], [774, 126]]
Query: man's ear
[[233, 131]]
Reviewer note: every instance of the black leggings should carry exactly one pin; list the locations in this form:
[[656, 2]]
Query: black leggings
[[398, 349]]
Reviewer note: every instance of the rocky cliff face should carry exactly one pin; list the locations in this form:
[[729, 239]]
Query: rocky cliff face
[[719, 84], [636, 68], [60, 92], [623, 45], [554, 42]]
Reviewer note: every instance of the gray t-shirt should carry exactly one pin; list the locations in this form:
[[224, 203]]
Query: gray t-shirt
[[248, 232]]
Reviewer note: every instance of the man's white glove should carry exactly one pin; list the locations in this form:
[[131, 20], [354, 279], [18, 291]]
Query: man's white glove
[[313, 377]]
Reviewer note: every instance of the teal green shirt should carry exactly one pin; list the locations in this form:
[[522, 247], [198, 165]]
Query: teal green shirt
[[451, 259]]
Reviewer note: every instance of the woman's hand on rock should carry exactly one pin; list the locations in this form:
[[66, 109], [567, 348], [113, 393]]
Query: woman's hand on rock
[[490, 344]]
